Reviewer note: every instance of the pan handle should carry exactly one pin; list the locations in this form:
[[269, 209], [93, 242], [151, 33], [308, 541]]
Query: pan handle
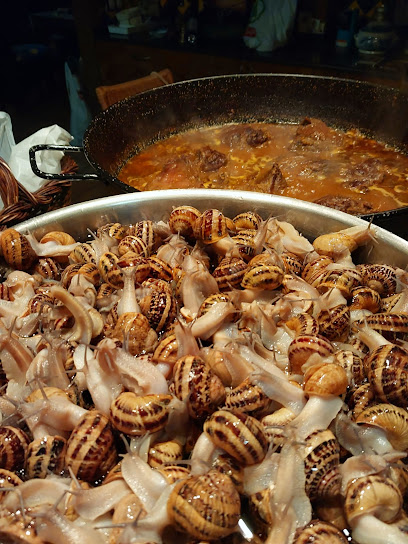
[[51, 147]]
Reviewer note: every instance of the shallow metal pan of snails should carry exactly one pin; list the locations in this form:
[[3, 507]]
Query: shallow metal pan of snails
[[203, 365]]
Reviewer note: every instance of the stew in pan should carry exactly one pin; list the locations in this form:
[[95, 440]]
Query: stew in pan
[[308, 161]]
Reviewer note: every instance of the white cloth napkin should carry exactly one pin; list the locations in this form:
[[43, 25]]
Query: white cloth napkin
[[48, 161], [6, 136]]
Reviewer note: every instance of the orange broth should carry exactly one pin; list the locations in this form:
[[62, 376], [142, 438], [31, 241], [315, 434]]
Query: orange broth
[[308, 161]]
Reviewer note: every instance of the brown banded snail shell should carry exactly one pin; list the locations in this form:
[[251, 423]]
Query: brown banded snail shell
[[195, 383], [91, 451], [13, 448], [240, 435], [206, 507], [373, 495], [137, 415]]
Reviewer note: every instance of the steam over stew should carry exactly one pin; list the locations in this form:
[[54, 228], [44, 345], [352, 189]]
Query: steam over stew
[[309, 161]]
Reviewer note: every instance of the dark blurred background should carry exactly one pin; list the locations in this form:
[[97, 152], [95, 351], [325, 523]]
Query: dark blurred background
[[100, 42]]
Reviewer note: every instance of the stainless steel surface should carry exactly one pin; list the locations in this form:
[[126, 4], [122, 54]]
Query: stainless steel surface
[[310, 219]]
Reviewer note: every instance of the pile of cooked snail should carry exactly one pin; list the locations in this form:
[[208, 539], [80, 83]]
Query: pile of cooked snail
[[202, 379]]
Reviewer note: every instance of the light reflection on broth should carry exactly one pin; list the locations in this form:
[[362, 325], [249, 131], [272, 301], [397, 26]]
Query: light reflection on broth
[[308, 161]]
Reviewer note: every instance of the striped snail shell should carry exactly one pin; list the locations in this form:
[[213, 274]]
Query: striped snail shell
[[137, 415], [357, 344], [352, 364], [387, 370], [274, 426], [39, 302], [91, 451], [229, 273], [240, 435], [135, 329], [58, 236], [380, 277], [159, 269], [247, 398], [116, 231], [211, 226], [385, 322], [45, 455], [365, 298], [268, 258], [195, 383], [206, 507], [343, 280], [182, 220], [174, 473], [334, 323], [48, 268], [263, 276], [111, 320], [315, 268], [145, 230], [389, 303], [13, 448], [110, 271], [159, 285], [215, 298], [373, 495], [292, 263], [393, 419], [134, 244], [139, 265], [359, 398], [16, 249], [165, 453], [91, 273], [340, 243], [68, 273], [83, 253], [245, 243], [221, 363], [160, 309], [320, 532], [322, 458], [247, 220], [5, 292], [303, 323], [260, 507], [226, 464], [166, 350], [8, 478], [303, 346]]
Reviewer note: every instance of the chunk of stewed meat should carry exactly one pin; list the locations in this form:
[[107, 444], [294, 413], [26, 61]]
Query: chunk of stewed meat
[[364, 175], [314, 133], [271, 180], [242, 136], [256, 137], [354, 206], [211, 160]]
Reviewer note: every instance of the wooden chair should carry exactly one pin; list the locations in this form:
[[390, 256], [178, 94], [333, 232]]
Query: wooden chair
[[109, 94]]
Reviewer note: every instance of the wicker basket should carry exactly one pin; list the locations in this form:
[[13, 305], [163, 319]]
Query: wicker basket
[[20, 204]]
